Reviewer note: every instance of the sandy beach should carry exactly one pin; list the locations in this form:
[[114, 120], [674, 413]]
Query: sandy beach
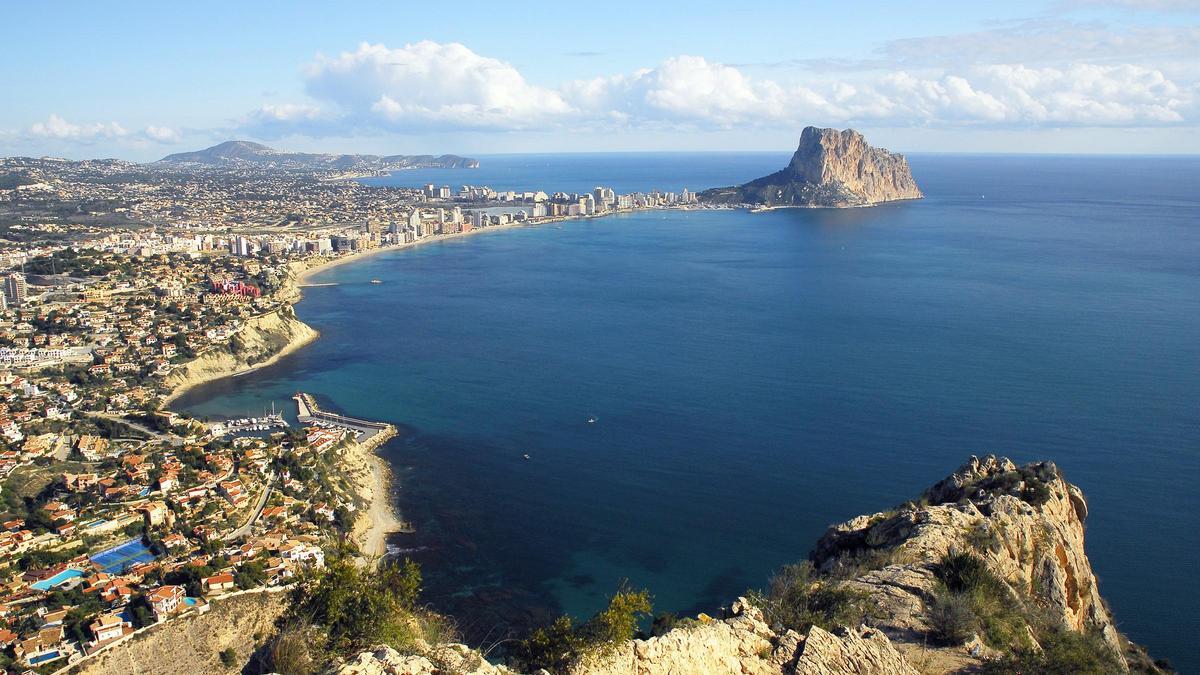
[[372, 479]]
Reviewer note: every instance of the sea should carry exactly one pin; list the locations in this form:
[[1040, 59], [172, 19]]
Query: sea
[[700, 394]]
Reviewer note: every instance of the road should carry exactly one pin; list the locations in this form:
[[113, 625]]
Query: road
[[156, 435], [258, 509]]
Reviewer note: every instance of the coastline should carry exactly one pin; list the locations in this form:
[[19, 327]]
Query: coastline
[[371, 474], [373, 481], [296, 340]]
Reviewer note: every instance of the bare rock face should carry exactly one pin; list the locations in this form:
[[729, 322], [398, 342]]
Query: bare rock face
[[1025, 523], [451, 658], [831, 168], [743, 644]]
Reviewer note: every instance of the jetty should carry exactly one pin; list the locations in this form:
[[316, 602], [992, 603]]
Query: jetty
[[366, 432]]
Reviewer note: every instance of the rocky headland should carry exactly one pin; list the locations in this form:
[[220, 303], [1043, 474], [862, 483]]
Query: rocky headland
[[830, 168], [984, 572], [262, 341]]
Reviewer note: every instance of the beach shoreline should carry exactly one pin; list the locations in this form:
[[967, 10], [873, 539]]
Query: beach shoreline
[[380, 518], [292, 346]]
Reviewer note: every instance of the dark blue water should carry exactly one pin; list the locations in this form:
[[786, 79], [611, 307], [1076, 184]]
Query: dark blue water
[[757, 377]]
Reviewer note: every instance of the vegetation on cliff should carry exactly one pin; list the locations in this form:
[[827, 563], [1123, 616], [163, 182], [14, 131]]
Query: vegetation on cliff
[[986, 572], [563, 645]]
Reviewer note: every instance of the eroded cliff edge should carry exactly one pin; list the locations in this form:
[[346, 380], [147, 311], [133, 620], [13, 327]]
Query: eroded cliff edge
[[830, 168], [1005, 543]]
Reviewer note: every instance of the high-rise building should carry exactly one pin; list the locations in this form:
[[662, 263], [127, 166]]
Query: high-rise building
[[414, 223], [15, 288]]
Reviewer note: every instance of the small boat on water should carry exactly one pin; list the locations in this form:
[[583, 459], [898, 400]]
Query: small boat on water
[[526, 455], [376, 281], [591, 420]]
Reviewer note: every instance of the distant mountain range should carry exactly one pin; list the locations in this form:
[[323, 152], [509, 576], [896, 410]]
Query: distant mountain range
[[237, 153]]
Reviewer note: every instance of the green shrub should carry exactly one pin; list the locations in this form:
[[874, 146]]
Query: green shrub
[[999, 612], [358, 607], [563, 644], [952, 618], [663, 623], [1064, 652], [966, 573], [797, 599], [291, 651], [984, 538], [229, 657]]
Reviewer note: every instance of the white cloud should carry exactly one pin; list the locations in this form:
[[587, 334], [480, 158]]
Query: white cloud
[[57, 127], [428, 84], [693, 91], [161, 134]]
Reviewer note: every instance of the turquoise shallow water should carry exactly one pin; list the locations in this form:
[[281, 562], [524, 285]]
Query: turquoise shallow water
[[757, 377]]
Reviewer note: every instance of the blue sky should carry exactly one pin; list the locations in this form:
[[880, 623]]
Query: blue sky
[[139, 80]]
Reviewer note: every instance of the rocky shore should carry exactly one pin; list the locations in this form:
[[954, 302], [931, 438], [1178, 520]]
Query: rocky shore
[[262, 341], [1024, 526]]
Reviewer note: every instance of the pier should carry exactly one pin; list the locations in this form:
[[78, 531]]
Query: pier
[[366, 432]]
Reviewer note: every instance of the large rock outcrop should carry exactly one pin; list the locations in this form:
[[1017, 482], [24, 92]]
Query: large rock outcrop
[[743, 644], [831, 168], [1024, 524]]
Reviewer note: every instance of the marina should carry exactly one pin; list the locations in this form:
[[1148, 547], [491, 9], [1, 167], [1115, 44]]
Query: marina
[[366, 432], [268, 422]]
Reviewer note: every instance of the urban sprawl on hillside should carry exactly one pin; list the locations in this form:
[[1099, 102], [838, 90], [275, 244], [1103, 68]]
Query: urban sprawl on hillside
[[117, 514]]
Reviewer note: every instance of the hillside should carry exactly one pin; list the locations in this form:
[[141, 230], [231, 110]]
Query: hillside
[[235, 153]]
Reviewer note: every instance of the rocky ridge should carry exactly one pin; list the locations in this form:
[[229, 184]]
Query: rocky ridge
[[830, 168], [234, 153], [1026, 524]]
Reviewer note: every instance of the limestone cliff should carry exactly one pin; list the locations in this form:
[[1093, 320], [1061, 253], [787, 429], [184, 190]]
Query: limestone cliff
[[193, 643], [830, 168], [261, 341], [1024, 525]]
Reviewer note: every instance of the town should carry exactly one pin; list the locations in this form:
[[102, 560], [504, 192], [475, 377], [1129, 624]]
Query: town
[[118, 514]]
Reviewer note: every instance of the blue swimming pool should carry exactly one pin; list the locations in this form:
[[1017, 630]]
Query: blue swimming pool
[[120, 558], [42, 658], [56, 580]]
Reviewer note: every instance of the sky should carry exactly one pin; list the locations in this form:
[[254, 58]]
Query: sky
[[141, 80]]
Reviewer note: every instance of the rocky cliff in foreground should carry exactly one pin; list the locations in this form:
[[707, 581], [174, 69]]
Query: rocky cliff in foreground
[[985, 572], [831, 168]]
